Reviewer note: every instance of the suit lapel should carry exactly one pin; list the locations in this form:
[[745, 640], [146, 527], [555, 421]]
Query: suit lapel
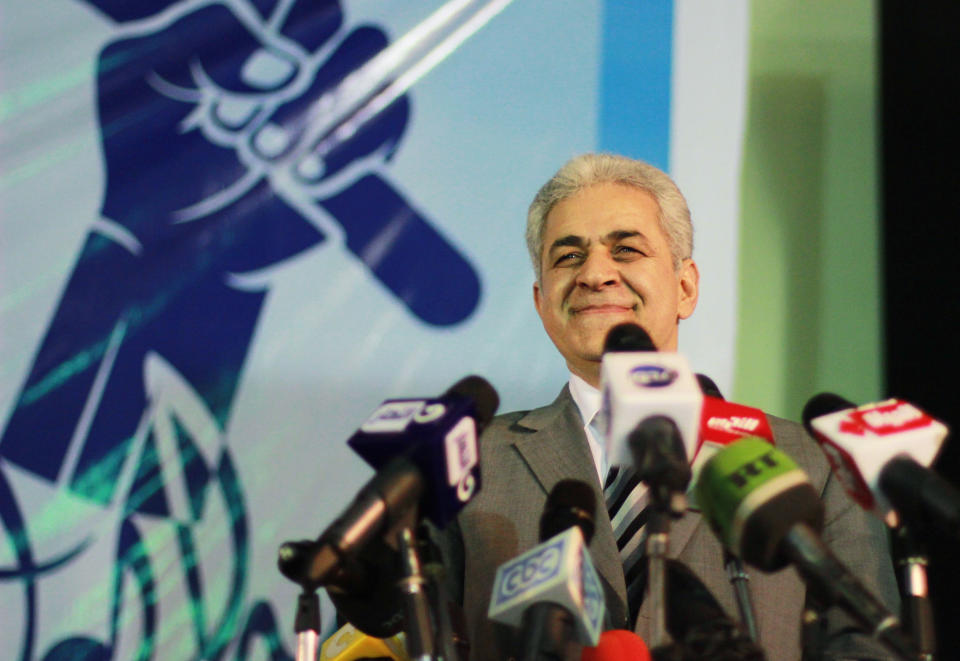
[[558, 450], [682, 530]]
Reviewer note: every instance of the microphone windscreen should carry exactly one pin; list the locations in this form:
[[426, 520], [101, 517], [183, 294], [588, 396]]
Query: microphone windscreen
[[293, 559], [659, 455], [628, 337], [823, 404], [366, 594], [482, 394], [709, 386], [617, 645], [570, 503]]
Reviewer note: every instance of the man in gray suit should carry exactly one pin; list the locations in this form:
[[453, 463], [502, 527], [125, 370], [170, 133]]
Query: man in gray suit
[[611, 241]]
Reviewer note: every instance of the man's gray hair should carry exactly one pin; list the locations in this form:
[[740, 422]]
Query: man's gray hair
[[589, 169]]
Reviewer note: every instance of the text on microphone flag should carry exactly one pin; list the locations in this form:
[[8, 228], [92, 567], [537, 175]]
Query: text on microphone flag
[[858, 441], [392, 416], [558, 570], [723, 423], [889, 417]]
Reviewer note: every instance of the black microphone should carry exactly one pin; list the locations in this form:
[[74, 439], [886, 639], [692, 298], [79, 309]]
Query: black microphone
[[697, 621], [627, 337], [570, 503], [364, 592], [549, 626], [880, 452], [660, 461], [426, 455], [708, 386], [552, 592]]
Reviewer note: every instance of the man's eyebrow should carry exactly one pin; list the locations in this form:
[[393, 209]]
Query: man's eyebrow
[[619, 235], [568, 240], [576, 241]]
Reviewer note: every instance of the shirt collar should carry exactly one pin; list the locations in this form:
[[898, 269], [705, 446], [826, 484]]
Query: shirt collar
[[587, 398]]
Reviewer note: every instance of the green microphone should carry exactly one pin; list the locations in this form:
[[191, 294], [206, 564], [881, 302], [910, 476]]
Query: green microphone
[[764, 509], [752, 495]]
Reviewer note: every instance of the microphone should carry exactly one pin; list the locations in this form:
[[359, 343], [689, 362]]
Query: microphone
[[571, 503], [552, 592], [721, 424], [651, 403], [880, 452], [628, 338], [439, 436], [638, 382], [660, 461], [426, 454], [708, 386], [617, 645], [365, 592], [764, 509], [350, 644], [698, 622], [699, 626]]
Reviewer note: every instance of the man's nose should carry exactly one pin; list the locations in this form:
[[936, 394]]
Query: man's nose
[[598, 270]]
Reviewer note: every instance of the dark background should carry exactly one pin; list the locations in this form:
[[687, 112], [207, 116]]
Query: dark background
[[920, 125]]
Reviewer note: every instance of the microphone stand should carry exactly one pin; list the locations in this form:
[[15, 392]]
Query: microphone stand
[[656, 547], [912, 561], [439, 599], [812, 636], [293, 560], [420, 640], [665, 504], [660, 461], [738, 579], [307, 624]]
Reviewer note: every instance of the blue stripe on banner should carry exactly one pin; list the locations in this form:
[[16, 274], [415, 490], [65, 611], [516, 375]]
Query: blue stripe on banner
[[635, 79]]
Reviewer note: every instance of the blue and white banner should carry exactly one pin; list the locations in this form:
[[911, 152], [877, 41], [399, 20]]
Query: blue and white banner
[[224, 240]]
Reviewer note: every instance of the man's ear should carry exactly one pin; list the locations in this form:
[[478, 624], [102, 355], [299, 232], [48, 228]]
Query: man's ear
[[689, 284], [536, 296]]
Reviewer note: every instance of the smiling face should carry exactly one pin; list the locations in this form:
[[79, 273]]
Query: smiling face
[[606, 261]]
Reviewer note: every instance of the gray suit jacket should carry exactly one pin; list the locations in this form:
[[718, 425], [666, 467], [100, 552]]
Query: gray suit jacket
[[524, 454]]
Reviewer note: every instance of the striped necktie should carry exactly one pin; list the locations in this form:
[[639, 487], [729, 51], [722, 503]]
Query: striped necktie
[[626, 498]]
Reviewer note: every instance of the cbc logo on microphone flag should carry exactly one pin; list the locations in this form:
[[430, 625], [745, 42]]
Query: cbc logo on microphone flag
[[531, 571], [559, 571]]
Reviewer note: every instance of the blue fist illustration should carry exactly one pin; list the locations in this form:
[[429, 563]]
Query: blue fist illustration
[[215, 170]]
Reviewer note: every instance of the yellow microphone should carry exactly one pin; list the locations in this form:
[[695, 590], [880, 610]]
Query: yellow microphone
[[350, 644]]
